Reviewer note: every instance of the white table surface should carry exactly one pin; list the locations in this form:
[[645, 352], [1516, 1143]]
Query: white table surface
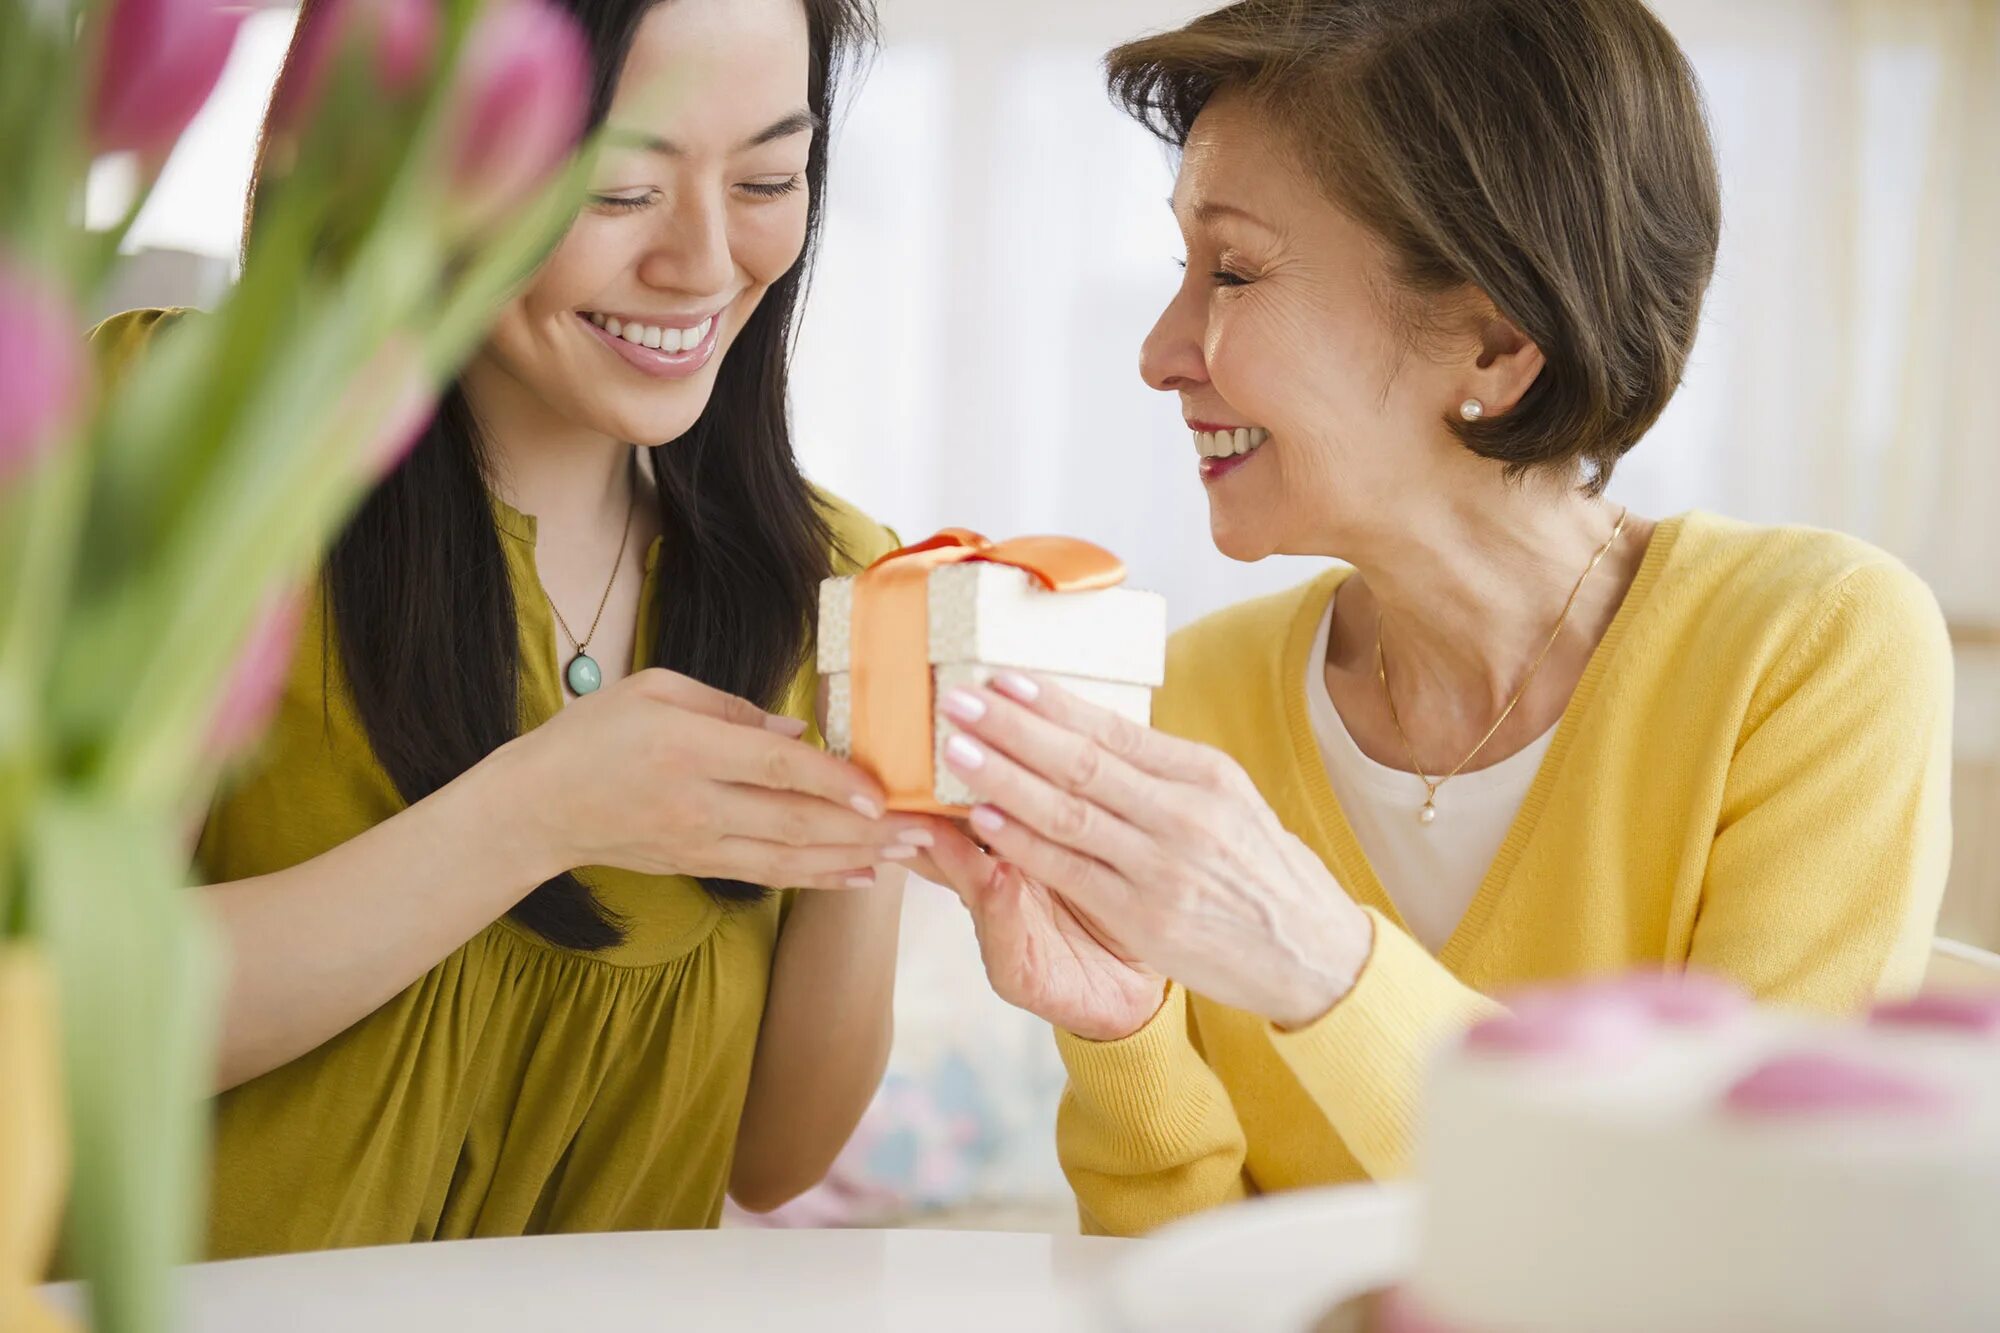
[[684, 1281]]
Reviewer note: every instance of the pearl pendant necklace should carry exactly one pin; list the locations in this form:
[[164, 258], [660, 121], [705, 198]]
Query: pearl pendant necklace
[[1428, 815]]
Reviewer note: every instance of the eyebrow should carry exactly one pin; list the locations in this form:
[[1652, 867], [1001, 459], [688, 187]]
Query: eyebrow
[[1210, 212], [801, 121]]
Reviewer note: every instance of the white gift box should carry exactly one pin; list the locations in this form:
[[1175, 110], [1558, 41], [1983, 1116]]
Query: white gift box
[[1106, 646]]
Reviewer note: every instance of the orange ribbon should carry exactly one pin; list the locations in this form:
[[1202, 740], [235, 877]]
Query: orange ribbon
[[890, 632]]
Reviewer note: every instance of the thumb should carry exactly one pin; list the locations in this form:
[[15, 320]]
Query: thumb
[[967, 870], [670, 687]]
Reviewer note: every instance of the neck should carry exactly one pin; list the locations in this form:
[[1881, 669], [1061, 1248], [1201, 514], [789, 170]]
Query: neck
[[1467, 597], [574, 481]]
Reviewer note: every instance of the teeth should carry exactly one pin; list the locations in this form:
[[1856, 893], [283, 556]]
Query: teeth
[[654, 335], [1229, 443]]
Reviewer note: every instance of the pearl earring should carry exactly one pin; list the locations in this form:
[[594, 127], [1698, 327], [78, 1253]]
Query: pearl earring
[[1472, 409]]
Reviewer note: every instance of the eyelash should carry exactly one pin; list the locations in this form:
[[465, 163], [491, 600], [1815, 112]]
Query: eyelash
[[1222, 276], [757, 189], [778, 190], [624, 203]]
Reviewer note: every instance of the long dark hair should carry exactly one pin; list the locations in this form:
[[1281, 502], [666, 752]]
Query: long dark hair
[[417, 584]]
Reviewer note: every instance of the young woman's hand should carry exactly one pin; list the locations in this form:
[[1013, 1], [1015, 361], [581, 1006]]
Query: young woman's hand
[[1041, 953], [1165, 845], [660, 774]]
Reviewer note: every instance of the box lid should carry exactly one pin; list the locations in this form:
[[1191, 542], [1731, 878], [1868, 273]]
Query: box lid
[[997, 615]]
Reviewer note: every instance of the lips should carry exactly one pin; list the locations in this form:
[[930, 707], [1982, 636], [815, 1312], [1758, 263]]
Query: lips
[[665, 336], [693, 344], [1215, 469]]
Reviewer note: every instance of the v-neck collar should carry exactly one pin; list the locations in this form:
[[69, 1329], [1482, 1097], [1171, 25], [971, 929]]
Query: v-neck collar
[[541, 672], [1351, 865]]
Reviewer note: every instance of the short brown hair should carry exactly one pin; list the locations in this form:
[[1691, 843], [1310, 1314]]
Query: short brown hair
[[1552, 153]]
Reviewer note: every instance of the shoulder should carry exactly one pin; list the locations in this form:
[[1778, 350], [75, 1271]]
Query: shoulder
[[1812, 600], [858, 540], [1230, 669], [119, 339]]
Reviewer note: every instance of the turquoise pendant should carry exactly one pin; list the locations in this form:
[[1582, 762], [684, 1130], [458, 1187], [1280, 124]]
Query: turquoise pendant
[[583, 675]]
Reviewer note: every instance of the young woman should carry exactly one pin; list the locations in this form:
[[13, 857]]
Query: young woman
[[501, 963], [1446, 261]]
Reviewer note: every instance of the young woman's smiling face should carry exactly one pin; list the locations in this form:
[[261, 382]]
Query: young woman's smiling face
[[1285, 335], [621, 332]]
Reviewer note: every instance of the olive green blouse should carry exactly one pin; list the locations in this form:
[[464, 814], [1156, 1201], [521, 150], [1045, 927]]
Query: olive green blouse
[[516, 1087]]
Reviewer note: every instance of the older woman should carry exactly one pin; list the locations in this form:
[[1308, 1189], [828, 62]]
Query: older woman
[[1445, 265]]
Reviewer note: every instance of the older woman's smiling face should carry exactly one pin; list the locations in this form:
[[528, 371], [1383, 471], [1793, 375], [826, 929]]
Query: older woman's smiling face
[[1285, 333]]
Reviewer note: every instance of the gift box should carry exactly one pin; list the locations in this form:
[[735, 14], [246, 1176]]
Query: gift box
[[952, 611]]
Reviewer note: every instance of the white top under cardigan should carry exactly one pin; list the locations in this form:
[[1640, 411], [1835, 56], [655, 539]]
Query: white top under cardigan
[[1430, 871]]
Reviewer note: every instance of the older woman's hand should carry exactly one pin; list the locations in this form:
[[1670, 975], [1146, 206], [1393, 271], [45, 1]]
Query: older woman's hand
[[1165, 845], [1041, 953]]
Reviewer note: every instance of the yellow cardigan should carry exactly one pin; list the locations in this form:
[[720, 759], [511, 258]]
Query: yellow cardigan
[[1751, 779]]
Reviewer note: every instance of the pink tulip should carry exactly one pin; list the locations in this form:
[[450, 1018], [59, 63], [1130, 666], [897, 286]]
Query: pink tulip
[[42, 368], [409, 417], [160, 61], [524, 83], [399, 38], [257, 681], [384, 411]]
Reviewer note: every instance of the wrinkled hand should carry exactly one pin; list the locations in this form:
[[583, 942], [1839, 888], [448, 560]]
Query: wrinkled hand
[[1041, 954], [1164, 844], [663, 775]]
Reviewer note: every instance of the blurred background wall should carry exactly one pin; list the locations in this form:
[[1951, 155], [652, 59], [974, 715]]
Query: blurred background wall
[[998, 244]]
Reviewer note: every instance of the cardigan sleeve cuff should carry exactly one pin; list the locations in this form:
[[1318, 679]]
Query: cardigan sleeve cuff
[[1150, 1095], [1363, 1062]]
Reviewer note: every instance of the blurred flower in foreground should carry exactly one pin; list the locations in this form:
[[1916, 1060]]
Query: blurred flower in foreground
[[393, 401], [257, 681], [159, 62], [41, 368], [521, 100], [399, 39]]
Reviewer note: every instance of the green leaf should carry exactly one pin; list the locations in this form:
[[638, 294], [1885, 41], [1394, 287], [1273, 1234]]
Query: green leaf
[[137, 985]]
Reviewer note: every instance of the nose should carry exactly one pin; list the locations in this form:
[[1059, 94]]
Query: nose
[[690, 251], [1172, 358]]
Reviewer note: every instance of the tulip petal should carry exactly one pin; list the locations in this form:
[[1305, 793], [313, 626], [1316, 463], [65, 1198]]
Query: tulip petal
[[257, 681], [522, 94], [42, 368], [159, 62]]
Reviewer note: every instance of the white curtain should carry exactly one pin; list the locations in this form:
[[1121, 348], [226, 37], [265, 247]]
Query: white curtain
[[998, 244]]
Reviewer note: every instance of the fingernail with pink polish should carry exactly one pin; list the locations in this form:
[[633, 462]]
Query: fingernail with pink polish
[[987, 820], [962, 753], [899, 853], [1017, 686], [962, 706], [785, 726], [861, 881], [866, 808], [917, 837]]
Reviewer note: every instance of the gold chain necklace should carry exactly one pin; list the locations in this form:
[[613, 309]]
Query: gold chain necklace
[[1429, 813], [583, 675]]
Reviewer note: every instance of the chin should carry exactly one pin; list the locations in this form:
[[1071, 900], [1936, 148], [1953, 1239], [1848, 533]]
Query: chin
[[1241, 541], [649, 429]]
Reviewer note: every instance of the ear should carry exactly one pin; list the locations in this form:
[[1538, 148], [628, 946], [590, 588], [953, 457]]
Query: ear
[[1507, 364]]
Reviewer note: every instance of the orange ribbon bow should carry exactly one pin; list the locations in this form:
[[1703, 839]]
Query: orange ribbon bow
[[890, 633]]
